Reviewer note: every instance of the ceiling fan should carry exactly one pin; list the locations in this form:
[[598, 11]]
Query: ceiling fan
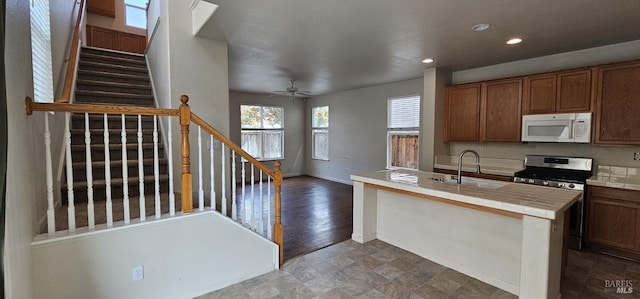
[[293, 91]]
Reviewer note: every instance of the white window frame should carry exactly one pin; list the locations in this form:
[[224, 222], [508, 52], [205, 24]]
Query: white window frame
[[144, 9], [262, 130], [393, 130], [319, 130]]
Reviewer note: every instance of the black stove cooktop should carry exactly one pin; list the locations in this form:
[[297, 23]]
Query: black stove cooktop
[[551, 174]]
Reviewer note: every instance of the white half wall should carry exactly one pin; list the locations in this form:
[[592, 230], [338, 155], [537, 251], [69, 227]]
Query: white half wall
[[182, 257]]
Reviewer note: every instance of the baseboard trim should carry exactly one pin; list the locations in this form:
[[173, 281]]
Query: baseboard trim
[[332, 179]]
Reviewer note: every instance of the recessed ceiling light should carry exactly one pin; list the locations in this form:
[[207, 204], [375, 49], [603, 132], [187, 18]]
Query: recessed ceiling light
[[514, 41], [428, 60], [480, 27]]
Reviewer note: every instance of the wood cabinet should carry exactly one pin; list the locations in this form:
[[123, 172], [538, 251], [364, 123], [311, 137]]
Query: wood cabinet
[[102, 7], [476, 175], [462, 110], [488, 111], [115, 40], [560, 92], [618, 104], [613, 221], [500, 112]]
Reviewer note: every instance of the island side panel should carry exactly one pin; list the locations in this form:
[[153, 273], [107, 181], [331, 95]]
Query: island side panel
[[541, 257], [364, 213], [479, 244]]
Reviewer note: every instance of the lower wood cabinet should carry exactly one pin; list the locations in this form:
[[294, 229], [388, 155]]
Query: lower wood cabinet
[[476, 175], [613, 221]]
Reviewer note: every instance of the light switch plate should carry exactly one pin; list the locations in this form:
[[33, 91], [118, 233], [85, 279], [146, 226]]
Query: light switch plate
[[636, 156]]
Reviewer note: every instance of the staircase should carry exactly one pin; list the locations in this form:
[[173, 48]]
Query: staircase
[[114, 78]]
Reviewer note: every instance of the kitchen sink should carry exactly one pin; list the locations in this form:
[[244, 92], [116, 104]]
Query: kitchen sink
[[472, 182]]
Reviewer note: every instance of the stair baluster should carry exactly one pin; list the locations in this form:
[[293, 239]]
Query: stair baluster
[[212, 191], [107, 172], [51, 219], [244, 200], [89, 169], [222, 176], [269, 227], [71, 210], [125, 172], [172, 196], [156, 167], [200, 174], [143, 209], [234, 206], [260, 209], [253, 197]]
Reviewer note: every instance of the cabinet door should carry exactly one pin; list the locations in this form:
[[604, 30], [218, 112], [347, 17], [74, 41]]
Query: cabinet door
[[501, 111], [540, 94], [462, 111], [131, 42], [102, 7], [574, 91], [101, 38], [613, 222], [618, 104]]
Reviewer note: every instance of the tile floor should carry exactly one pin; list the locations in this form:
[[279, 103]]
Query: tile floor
[[379, 270]]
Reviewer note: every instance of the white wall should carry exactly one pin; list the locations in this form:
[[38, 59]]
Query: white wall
[[294, 130], [26, 200], [183, 64], [603, 155], [118, 23], [181, 257], [357, 129], [433, 117], [63, 22]]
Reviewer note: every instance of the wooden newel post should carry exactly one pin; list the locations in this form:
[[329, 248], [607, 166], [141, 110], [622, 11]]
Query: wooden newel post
[[187, 183], [277, 226]]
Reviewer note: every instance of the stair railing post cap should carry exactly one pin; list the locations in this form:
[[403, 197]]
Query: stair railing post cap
[[184, 99]]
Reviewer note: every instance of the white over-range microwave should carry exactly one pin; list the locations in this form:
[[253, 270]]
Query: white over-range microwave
[[564, 127]]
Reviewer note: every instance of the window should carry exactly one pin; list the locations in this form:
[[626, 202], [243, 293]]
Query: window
[[320, 133], [135, 12], [262, 133], [403, 125], [41, 51]]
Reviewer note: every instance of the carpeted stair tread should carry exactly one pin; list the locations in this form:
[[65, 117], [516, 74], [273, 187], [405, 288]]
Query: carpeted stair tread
[[116, 146], [108, 66], [114, 94], [117, 59], [145, 87], [130, 162], [98, 184], [103, 73]]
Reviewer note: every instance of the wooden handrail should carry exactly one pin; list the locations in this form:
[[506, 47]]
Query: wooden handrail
[[73, 57], [278, 235], [89, 108], [208, 128]]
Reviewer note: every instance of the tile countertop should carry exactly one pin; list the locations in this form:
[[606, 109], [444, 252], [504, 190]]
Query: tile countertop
[[505, 167], [523, 199], [616, 177]]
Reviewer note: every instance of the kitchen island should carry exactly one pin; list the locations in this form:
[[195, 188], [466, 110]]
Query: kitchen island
[[505, 234]]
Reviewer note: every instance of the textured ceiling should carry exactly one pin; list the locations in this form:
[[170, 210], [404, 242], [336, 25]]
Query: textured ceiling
[[334, 45]]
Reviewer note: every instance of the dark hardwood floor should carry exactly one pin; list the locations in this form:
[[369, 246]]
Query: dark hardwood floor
[[316, 213]]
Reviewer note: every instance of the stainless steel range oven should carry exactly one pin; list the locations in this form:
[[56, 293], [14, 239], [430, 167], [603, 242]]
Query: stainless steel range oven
[[561, 172]]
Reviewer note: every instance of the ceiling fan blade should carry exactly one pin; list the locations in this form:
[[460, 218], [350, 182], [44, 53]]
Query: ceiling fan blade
[[305, 92]]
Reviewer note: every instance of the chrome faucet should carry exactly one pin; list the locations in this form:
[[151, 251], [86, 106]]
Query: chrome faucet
[[460, 163]]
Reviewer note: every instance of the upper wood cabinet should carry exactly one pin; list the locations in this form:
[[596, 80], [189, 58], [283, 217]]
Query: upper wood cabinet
[[489, 111], [560, 92], [115, 40], [618, 104], [462, 110], [500, 112], [102, 7]]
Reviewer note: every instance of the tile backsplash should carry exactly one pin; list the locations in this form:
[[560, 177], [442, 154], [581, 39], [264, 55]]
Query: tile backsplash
[[602, 155]]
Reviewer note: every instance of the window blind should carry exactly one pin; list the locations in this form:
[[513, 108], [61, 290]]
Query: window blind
[[41, 51], [404, 112]]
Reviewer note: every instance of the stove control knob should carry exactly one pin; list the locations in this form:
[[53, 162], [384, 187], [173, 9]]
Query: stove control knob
[[531, 181], [572, 186], [545, 183], [560, 185]]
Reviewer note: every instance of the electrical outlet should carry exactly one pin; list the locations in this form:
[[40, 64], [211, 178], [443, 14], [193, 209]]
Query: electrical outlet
[[137, 273], [636, 156]]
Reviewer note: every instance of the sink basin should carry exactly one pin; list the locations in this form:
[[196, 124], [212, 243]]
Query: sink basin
[[472, 182]]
